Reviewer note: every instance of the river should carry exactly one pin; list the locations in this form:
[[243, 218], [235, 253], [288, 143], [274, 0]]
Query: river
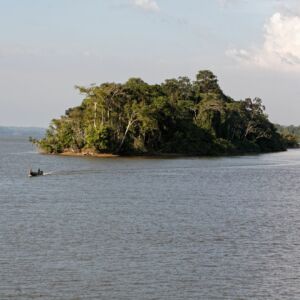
[[149, 228]]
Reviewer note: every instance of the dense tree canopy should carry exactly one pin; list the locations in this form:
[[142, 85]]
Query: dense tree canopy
[[177, 116]]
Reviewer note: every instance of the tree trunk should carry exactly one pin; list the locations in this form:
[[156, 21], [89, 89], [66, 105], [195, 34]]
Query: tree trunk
[[95, 114], [130, 122]]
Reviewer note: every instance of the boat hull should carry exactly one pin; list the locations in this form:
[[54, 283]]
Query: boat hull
[[34, 174]]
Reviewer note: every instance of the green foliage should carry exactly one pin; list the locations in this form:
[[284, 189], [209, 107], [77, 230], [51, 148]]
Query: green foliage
[[207, 82], [178, 116], [99, 139]]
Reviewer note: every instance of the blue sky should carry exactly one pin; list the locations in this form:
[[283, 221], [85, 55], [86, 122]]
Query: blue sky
[[47, 47]]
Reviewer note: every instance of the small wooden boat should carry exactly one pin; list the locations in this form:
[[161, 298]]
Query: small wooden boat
[[38, 173]]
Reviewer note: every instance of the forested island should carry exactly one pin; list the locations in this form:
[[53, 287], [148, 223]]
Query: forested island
[[179, 116]]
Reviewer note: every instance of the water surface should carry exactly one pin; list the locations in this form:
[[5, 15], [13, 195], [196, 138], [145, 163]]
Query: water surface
[[138, 228]]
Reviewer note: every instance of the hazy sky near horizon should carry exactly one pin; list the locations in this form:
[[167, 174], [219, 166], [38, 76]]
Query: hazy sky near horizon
[[47, 47]]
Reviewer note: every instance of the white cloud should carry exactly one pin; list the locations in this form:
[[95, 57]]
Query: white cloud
[[281, 46], [148, 5]]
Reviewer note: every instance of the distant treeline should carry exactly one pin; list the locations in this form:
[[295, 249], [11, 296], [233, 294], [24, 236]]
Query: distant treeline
[[178, 116], [291, 134], [22, 131], [291, 129]]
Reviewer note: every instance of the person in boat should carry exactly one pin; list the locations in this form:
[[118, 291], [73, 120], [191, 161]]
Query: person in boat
[[39, 172]]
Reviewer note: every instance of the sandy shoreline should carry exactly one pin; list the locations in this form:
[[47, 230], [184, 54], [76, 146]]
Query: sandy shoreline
[[111, 155], [88, 154]]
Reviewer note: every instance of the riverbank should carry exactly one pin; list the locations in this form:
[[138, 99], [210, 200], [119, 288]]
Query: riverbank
[[91, 153], [88, 153]]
